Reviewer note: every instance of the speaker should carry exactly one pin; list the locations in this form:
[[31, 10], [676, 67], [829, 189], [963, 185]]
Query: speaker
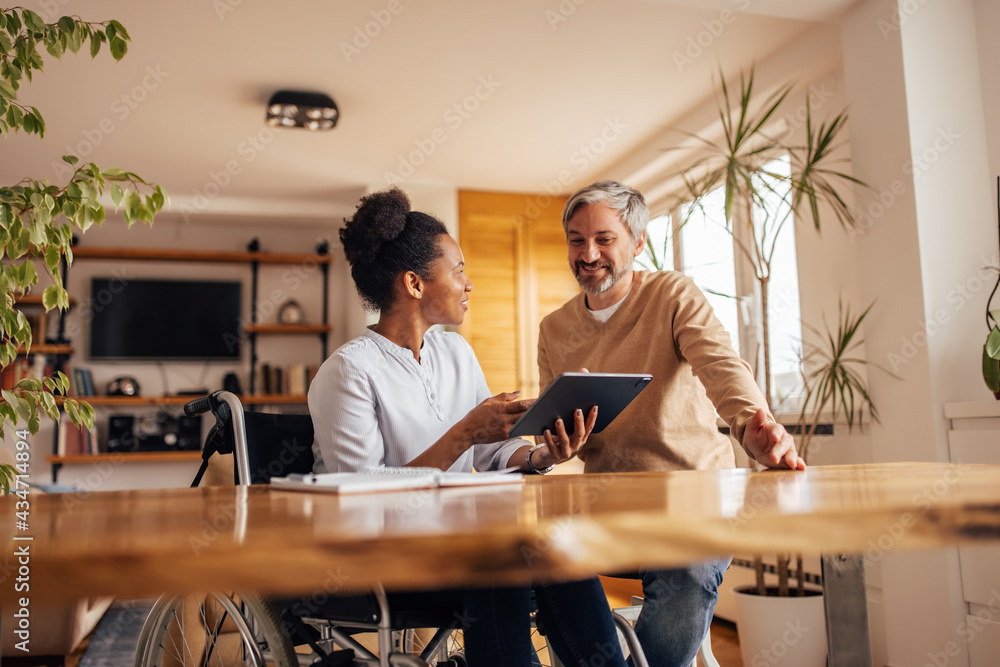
[[121, 433]]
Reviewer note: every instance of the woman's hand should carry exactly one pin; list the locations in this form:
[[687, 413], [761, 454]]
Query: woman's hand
[[560, 446], [491, 420]]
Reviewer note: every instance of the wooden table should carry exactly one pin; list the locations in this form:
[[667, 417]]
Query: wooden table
[[140, 543]]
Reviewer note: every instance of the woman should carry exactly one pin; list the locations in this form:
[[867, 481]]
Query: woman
[[400, 395]]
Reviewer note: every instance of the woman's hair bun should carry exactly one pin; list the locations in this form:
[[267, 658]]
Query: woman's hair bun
[[380, 219]]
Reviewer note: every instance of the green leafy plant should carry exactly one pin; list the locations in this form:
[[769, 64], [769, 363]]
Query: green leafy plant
[[37, 218], [832, 376], [991, 351], [759, 200]]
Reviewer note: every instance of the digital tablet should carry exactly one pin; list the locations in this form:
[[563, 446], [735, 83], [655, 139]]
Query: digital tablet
[[610, 392]]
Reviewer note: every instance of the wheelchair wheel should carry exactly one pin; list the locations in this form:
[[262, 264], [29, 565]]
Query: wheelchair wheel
[[215, 629]]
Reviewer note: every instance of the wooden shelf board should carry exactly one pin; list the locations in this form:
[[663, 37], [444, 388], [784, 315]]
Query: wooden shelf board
[[289, 328], [35, 300], [152, 401], [172, 255], [47, 349], [112, 401], [266, 399], [129, 457]]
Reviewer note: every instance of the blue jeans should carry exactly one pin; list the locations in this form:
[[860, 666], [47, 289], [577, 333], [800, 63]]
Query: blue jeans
[[575, 617], [677, 611]]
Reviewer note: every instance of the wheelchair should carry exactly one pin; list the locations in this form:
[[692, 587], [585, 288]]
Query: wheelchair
[[235, 629]]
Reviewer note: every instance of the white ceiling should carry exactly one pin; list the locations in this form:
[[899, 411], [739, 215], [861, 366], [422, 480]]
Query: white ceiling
[[559, 80]]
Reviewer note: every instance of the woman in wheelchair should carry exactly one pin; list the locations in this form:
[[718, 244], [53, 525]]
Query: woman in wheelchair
[[401, 395]]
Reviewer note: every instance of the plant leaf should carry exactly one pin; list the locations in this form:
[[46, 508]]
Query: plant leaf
[[991, 372], [118, 48], [993, 343], [50, 297]]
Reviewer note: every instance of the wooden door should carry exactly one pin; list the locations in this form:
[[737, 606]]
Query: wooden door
[[515, 254]]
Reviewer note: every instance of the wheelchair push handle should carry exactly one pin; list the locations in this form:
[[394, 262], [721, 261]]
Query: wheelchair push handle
[[198, 406]]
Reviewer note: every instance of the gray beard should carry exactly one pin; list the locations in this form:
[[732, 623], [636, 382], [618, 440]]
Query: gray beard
[[604, 285]]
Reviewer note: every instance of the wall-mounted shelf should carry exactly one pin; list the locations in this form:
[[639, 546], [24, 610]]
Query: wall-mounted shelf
[[131, 457], [35, 300], [154, 401], [254, 259], [47, 349], [291, 329], [167, 255]]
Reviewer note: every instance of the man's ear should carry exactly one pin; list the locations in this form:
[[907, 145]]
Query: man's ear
[[639, 245], [413, 284]]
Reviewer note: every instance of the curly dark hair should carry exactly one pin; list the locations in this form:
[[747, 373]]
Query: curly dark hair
[[384, 239]]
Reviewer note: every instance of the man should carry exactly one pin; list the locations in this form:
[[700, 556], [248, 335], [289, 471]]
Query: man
[[659, 323]]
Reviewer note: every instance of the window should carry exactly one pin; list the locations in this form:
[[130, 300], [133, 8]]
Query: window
[[708, 259], [716, 259], [658, 255]]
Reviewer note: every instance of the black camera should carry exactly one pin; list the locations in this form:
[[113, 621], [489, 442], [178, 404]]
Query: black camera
[[159, 432]]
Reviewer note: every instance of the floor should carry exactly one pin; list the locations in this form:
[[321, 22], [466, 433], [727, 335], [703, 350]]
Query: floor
[[725, 647], [725, 644]]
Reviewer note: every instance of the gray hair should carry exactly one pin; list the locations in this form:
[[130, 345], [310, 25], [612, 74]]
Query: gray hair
[[629, 204]]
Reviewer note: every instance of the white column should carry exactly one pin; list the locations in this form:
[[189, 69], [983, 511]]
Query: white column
[[918, 138]]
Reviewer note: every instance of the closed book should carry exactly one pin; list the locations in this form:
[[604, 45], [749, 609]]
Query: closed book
[[75, 443], [265, 379], [78, 387], [277, 380], [88, 382]]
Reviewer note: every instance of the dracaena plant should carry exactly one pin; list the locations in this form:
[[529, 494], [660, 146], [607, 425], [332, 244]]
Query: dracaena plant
[[831, 373], [38, 219]]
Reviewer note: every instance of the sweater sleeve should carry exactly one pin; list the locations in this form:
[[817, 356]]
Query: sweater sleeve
[[705, 344], [544, 367]]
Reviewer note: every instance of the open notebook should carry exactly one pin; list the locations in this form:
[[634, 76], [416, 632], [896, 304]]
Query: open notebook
[[391, 479]]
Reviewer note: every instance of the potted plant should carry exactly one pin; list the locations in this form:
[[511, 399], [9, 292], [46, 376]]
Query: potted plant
[[38, 219], [759, 202]]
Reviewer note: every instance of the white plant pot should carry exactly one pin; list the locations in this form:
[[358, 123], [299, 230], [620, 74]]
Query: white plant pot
[[776, 631]]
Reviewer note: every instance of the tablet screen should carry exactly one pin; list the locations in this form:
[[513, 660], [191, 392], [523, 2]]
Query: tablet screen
[[610, 392]]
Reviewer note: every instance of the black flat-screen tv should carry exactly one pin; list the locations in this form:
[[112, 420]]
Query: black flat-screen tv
[[150, 320]]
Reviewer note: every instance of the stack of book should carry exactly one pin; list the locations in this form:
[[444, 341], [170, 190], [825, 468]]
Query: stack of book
[[293, 379], [37, 323], [74, 440], [82, 383], [29, 366]]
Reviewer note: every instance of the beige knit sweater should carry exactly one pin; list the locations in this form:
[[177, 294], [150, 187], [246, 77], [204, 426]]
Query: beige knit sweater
[[664, 327]]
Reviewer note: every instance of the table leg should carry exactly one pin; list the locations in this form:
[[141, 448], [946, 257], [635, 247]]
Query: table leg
[[846, 604]]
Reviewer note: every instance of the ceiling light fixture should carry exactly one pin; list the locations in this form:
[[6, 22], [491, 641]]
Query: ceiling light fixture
[[293, 108]]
